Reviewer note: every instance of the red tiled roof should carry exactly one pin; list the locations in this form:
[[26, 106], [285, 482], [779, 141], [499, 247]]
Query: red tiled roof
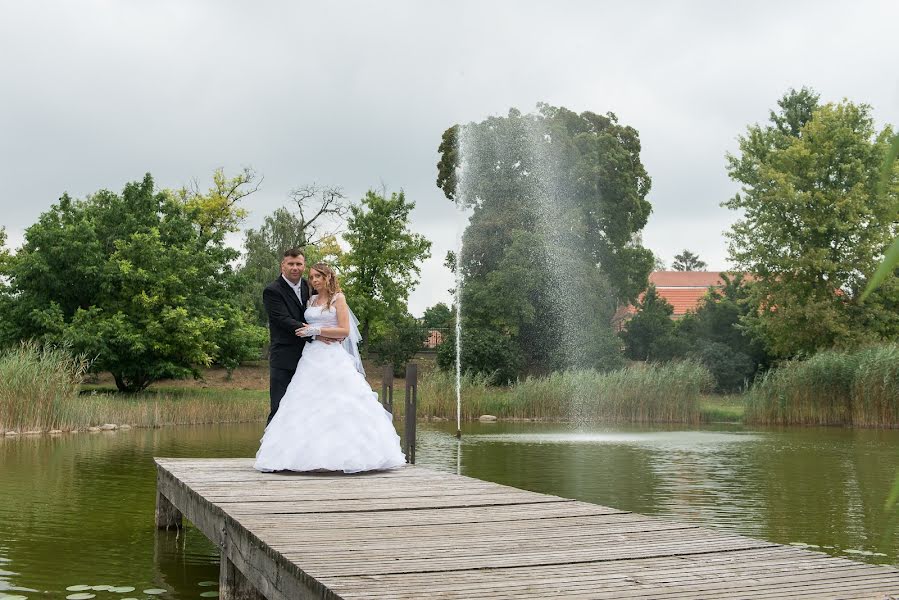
[[701, 279], [684, 300], [681, 289]]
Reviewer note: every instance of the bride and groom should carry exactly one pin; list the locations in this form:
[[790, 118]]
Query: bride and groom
[[324, 415]]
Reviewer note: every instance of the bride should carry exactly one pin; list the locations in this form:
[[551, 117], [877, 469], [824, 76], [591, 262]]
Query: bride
[[329, 418]]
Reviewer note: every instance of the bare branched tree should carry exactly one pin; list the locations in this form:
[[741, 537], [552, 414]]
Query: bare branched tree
[[321, 210]]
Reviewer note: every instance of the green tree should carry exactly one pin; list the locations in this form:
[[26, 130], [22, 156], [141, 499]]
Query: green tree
[[141, 281], [591, 164], [687, 261], [439, 316], [716, 337], [381, 267], [558, 200], [809, 203], [488, 352], [649, 334], [398, 342], [6, 328]]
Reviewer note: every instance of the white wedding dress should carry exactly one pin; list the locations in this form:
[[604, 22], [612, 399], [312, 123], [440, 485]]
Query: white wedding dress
[[329, 418]]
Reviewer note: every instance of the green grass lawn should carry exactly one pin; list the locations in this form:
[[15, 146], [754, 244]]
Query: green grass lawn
[[727, 408]]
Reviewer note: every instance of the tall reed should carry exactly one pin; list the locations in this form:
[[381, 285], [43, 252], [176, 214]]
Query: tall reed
[[831, 388], [36, 385], [640, 394], [875, 388]]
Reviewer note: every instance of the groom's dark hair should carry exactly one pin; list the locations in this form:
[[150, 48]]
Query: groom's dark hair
[[294, 252]]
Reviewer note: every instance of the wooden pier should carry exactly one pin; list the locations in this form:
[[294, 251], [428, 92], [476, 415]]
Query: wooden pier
[[418, 533]]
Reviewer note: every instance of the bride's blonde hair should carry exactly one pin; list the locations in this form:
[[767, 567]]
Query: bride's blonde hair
[[331, 285]]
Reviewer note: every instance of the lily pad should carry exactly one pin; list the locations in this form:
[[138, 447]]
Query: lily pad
[[81, 596], [101, 588], [121, 589], [77, 588], [208, 583], [11, 597], [209, 595], [155, 591]]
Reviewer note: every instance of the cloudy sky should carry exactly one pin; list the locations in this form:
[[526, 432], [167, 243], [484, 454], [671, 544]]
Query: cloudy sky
[[96, 93]]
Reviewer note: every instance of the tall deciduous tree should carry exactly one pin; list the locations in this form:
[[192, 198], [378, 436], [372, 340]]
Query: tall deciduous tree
[[141, 281], [687, 261], [813, 226], [382, 266], [558, 200]]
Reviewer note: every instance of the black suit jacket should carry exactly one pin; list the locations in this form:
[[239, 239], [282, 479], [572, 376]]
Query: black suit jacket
[[285, 316]]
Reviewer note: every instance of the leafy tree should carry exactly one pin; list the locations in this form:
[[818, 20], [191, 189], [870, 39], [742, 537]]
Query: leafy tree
[[588, 163], [557, 201], [810, 201], [439, 316], [4, 253], [658, 264], [648, 335], [6, 329], [141, 281], [717, 324], [687, 261], [399, 341], [381, 267], [484, 351]]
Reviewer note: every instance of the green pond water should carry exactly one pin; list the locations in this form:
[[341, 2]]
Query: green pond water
[[77, 510]]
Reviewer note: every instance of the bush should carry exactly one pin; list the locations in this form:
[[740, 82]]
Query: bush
[[484, 352], [730, 368]]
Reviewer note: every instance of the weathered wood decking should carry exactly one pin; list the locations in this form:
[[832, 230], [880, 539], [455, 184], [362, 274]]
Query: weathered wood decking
[[417, 533]]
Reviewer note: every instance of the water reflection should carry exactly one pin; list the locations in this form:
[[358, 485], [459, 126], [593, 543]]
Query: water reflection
[[78, 509]]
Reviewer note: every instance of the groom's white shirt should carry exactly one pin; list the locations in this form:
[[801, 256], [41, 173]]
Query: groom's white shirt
[[296, 288]]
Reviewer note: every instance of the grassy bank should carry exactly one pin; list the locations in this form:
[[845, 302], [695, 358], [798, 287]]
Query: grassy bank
[[858, 388], [642, 394]]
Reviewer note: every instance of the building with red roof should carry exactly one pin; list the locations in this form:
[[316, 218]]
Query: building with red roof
[[682, 289]]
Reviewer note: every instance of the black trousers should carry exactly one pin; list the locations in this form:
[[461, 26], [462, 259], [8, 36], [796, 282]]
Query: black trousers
[[279, 379]]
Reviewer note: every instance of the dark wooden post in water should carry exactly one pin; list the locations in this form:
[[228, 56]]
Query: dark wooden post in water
[[166, 514], [387, 388], [410, 415]]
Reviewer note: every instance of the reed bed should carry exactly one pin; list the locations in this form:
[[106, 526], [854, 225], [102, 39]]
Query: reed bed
[[831, 388], [875, 387], [36, 385], [668, 393]]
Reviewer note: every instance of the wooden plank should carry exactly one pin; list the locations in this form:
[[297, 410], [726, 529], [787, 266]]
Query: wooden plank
[[248, 508]]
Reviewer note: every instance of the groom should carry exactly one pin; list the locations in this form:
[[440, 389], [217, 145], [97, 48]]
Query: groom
[[285, 302]]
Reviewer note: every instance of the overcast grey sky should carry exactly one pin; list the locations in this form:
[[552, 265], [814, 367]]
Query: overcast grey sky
[[96, 93]]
